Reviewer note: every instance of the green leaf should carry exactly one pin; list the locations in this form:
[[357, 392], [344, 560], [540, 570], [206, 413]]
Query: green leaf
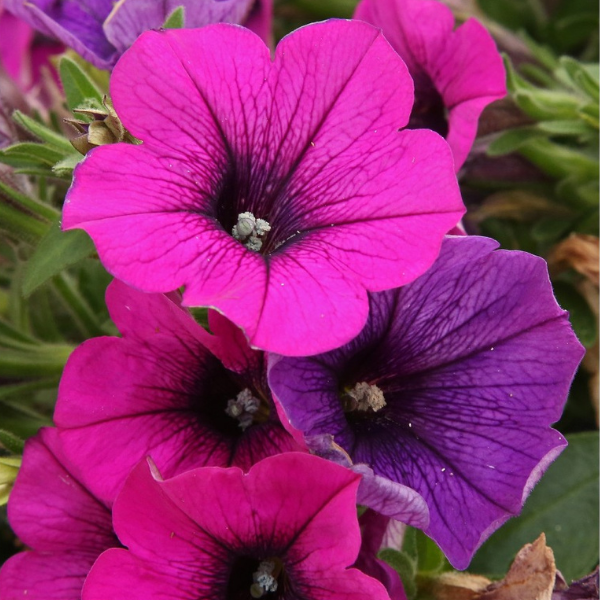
[[564, 505], [404, 566], [39, 361], [550, 229], [20, 225], [514, 82], [11, 442], [547, 104], [589, 114], [10, 335], [42, 132], [543, 54], [64, 168], [176, 20], [79, 88], [28, 154], [431, 559], [32, 205], [514, 14], [581, 314], [56, 251], [560, 161], [581, 195], [573, 127], [512, 139], [22, 392], [581, 77]]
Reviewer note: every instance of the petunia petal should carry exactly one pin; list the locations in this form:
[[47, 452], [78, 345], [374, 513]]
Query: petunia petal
[[460, 65], [230, 132], [49, 509], [77, 25], [45, 576], [129, 19]]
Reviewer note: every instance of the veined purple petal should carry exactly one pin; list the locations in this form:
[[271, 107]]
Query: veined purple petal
[[76, 24], [131, 18], [308, 143], [101, 30], [474, 361], [204, 533], [160, 391], [457, 72]]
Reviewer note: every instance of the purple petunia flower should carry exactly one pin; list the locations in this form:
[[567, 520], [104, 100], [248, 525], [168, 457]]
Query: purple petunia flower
[[457, 72], [101, 30], [285, 530], [278, 192], [167, 389], [450, 390], [63, 523]]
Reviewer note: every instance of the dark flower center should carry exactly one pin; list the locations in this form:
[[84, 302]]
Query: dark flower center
[[223, 401], [429, 111], [253, 578], [251, 205]]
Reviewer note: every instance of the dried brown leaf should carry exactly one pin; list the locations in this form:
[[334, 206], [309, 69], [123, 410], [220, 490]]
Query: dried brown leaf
[[580, 252], [530, 577], [518, 205], [459, 586]]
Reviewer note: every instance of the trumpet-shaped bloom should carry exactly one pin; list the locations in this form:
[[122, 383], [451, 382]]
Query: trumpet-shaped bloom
[[450, 390], [285, 530], [457, 72], [63, 523], [166, 389], [278, 192], [101, 30]]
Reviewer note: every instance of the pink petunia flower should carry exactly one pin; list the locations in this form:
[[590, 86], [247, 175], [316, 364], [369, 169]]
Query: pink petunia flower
[[375, 529], [62, 522], [277, 192], [167, 389], [457, 72], [287, 530], [23, 54]]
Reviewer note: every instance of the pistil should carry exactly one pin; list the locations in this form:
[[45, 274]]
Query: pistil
[[250, 231], [265, 579], [364, 396], [243, 408]]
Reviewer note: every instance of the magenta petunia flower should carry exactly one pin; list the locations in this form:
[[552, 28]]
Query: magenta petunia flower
[[167, 389], [374, 529], [450, 390], [457, 72], [101, 30], [23, 55], [63, 523], [276, 192], [286, 530]]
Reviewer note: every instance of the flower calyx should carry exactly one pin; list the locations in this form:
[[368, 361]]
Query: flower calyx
[[104, 127]]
